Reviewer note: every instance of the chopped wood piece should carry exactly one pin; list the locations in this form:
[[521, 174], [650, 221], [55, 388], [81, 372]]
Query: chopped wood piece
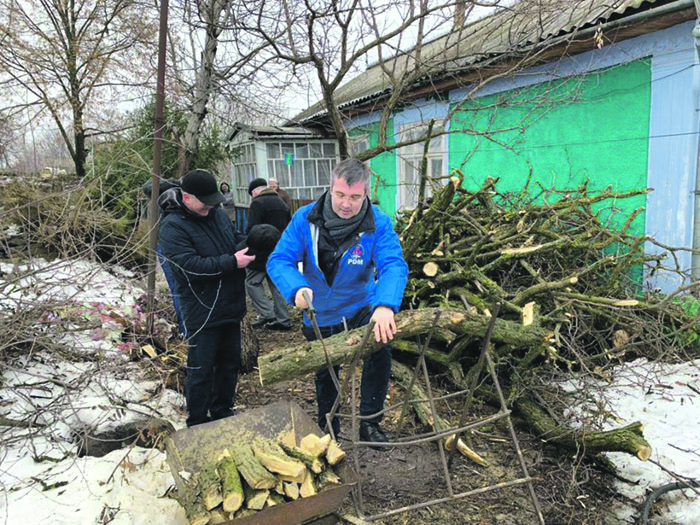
[[250, 468], [210, 486], [232, 489], [464, 450], [312, 462], [274, 499], [334, 454], [308, 487], [256, 499], [315, 445], [274, 459], [326, 478], [430, 269], [216, 517], [288, 438], [291, 489], [194, 508]]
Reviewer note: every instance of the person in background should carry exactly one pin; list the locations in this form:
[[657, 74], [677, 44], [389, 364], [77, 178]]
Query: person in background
[[341, 240], [226, 192], [199, 243], [266, 208], [274, 185]]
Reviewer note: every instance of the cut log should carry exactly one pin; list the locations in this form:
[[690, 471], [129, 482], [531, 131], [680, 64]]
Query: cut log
[[312, 462], [217, 517], [431, 269], [289, 363], [194, 508], [326, 478], [629, 439], [210, 486], [252, 471], [256, 499], [334, 454], [273, 458], [232, 489]]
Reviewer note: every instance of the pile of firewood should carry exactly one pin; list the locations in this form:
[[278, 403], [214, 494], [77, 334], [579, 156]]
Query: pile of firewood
[[249, 478]]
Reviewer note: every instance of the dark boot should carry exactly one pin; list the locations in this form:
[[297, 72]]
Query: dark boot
[[370, 431]]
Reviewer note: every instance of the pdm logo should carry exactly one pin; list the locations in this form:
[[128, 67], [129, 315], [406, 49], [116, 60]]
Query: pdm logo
[[356, 256]]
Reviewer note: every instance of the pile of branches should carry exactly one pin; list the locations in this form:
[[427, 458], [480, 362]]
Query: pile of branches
[[557, 264]]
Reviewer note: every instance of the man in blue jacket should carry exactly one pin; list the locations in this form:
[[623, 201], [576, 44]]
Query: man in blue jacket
[[341, 239], [199, 242]]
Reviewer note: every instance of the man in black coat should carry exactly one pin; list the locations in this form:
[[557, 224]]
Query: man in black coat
[[199, 242], [266, 208]]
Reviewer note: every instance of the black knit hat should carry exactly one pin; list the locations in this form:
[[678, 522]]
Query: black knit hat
[[256, 183], [202, 185]]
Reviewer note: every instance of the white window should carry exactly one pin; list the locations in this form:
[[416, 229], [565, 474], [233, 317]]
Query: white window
[[358, 144], [244, 171], [410, 160], [303, 169]]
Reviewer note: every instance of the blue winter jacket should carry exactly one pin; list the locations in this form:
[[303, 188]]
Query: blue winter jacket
[[354, 285]]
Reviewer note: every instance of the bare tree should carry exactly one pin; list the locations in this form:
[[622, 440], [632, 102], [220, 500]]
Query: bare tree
[[66, 57], [218, 73]]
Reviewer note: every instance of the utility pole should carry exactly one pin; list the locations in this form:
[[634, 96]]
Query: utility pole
[[157, 149]]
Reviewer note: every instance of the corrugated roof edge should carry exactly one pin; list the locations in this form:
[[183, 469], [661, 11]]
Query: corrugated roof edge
[[605, 13]]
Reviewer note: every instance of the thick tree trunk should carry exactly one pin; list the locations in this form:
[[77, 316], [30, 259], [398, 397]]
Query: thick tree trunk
[[297, 361]]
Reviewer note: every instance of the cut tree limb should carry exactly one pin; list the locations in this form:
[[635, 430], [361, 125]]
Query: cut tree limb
[[290, 363]]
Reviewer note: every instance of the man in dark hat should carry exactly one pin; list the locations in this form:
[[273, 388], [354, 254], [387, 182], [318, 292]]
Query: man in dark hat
[[199, 242], [266, 208]]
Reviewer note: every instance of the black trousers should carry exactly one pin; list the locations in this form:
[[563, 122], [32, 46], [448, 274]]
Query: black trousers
[[213, 361], [375, 374]]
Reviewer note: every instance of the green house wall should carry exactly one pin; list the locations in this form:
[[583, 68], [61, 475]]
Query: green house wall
[[565, 132], [383, 187]]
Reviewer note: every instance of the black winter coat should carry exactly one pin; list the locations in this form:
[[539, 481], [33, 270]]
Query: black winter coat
[[268, 208], [201, 253]]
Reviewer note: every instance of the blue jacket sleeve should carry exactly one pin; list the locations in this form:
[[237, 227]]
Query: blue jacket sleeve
[[392, 270], [283, 263]]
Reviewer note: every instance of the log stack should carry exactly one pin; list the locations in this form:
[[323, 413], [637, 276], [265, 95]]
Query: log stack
[[249, 478]]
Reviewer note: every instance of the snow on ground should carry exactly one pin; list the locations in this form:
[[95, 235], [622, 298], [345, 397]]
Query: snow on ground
[[41, 478], [665, 398], [43, 481]]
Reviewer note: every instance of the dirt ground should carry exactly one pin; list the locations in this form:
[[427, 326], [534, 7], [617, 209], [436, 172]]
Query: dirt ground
[[568, 490]]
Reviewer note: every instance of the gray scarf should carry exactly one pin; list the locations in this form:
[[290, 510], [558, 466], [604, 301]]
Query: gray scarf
[[339, 228]]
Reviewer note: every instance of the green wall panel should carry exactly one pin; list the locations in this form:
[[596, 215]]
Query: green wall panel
[[564, 132], [383, 165]]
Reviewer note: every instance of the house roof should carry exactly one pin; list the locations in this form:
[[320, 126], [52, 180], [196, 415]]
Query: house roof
[[522, 27], [253, 132]]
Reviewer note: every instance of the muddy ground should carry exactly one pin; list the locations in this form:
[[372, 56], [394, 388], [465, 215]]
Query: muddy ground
[[568, 490]]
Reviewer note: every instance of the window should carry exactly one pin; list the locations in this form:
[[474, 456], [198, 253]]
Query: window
[[244, 171], [302, 169], [359, 144], [409, 163]]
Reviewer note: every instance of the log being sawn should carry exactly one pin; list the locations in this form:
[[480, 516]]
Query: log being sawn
[[299, 360]]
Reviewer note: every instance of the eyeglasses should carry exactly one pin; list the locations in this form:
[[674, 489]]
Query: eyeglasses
[[353, 199]]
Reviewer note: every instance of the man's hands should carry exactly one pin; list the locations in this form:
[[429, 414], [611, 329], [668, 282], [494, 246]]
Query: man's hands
[[384, 324], [242, 259], [299, 299]]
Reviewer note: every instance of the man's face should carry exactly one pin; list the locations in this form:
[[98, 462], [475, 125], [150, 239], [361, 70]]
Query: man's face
[[195, 205], [347, 200]]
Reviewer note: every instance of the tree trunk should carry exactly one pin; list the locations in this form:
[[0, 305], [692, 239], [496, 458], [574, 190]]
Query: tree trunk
[[297, 361]]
